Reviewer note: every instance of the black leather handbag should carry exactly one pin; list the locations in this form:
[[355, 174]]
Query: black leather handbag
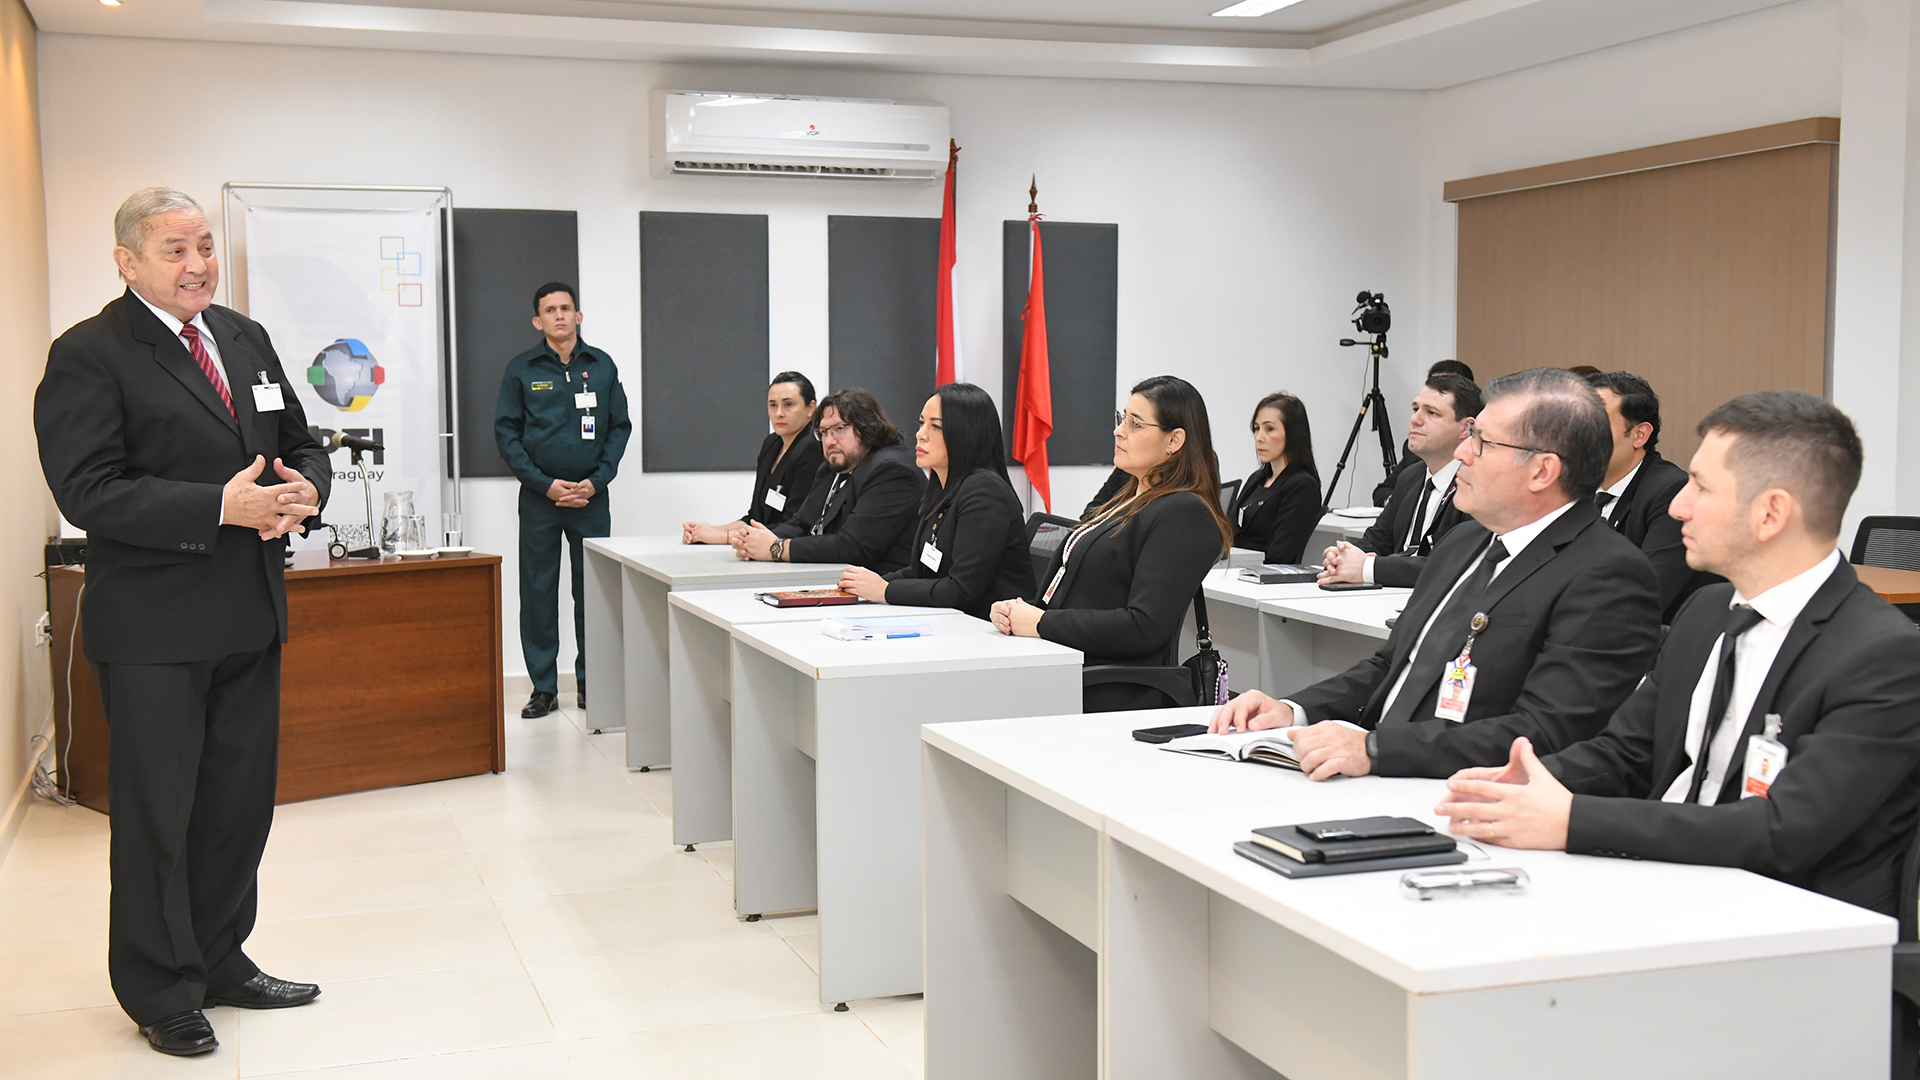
[[1208, 667]]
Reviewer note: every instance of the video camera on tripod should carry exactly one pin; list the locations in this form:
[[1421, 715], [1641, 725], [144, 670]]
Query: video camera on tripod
[[1371, 316]]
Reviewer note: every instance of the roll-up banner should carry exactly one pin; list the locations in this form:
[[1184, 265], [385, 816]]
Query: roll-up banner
[[352, 301]]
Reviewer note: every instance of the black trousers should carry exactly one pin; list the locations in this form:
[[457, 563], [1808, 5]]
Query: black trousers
[[192, 762]]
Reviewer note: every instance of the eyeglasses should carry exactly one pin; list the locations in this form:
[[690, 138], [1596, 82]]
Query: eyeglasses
[[1481, 442], [834, 432], [1133, 423]]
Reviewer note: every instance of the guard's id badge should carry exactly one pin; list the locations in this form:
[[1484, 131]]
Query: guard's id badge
[[1766, 756], [586, 426], [776, 499], [1456, 690], [1456, 684], [930, 557], [267, 396], [585, 399]]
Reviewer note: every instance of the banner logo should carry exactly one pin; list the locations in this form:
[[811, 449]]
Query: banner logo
[[400, 272], [346, 375]]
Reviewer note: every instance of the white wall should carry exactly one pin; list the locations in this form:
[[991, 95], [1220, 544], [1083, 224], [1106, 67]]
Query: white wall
[[1248, 216]]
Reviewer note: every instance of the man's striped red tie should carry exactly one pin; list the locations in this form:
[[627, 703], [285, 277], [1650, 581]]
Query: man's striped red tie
[[200, 356]]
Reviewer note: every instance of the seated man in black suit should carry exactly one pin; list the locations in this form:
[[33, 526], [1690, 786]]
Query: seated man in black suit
[[1803, 685], [1534, 619], [1640, 484], [865, 499], [1421, 510], [1383, 490]]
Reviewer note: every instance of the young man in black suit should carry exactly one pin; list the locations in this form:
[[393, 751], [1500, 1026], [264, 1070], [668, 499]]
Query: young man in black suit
[[1384, 489], [865, 499], [157, 419], [1421, 509], [1829, 800], [1556, 613], [1640, 485]]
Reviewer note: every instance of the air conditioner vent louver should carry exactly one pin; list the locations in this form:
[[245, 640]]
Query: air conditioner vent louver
[[718, 134]]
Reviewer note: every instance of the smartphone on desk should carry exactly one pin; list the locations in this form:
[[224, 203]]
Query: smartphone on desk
[[1169, 732], [1348, 586]]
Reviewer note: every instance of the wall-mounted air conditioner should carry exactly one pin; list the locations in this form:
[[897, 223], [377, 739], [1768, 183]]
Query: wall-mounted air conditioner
[[717, 134]]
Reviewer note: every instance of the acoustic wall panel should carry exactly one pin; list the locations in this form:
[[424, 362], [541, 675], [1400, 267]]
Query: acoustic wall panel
[[703, 341], [1082, 265], [499, 258], [881, 295]]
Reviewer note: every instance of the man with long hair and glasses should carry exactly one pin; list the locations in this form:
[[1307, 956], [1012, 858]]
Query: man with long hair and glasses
[[864, 498], [1534, 620]]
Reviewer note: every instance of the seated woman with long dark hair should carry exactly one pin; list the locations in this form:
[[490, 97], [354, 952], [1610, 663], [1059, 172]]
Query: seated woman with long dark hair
[[1120, 589], [1279, 505], [789, 458], [971, 547]]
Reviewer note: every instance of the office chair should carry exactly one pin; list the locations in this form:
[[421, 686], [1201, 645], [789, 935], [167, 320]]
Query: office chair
[[1229, 491], [1887, 541], [1046, 534], [1906, 964]]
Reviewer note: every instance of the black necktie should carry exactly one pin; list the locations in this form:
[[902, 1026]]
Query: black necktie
[[1740, 619], [1419, 515], [1446, 637], [1604, 500]]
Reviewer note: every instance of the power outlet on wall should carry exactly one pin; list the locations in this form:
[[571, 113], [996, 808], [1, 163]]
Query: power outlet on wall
[[43, 630]]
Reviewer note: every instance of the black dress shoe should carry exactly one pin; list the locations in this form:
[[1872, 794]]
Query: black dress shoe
[[183, 1034], [580, 698], [263, 991], [538, 705]]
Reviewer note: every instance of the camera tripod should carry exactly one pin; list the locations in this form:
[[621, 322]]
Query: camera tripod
[[1376, 402]]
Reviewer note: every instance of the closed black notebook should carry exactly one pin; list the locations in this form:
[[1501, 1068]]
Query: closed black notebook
[[1292, 868], [1281, 573], [1288, 840]]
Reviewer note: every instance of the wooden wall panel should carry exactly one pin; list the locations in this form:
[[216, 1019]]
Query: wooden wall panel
[[1709, 279]]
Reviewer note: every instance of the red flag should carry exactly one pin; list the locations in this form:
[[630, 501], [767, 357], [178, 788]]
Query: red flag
[[1033, 402], [947, 359]]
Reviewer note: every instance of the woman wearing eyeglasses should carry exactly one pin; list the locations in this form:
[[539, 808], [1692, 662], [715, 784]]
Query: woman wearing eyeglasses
[[1121, 588], [789, 458], [971, 545], [1278, 506]]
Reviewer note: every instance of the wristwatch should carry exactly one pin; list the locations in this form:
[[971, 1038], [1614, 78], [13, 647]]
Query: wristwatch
[[776, 549], [1373, 747]]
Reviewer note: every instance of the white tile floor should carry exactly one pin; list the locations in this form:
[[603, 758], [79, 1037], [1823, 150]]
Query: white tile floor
[[539, 923]]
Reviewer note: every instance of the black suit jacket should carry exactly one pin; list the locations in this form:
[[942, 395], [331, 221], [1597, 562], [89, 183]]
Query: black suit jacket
[[1285, 518], [982, 540], [871, 521], [1573, 623], [793, 475], [137, 449], [1127, 588], [1840, 815], [1640, 515], [1399, 565]]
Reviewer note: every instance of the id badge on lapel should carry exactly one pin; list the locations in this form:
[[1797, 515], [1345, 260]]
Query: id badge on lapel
[[776, 499], [586, 426], [1766, 756], [931, 557], [267, 396], [1456, 685]]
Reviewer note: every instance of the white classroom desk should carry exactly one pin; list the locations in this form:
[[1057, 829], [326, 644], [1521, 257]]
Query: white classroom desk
[[826, 775], [627, 580], [1087, 917], [700, 626], [1333, 528], [1238, 614]]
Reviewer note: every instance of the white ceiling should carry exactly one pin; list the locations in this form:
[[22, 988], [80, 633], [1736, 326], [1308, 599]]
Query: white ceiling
[[1389, 44]]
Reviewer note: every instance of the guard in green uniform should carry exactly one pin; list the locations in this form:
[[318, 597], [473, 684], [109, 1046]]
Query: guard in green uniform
[[562, 427]]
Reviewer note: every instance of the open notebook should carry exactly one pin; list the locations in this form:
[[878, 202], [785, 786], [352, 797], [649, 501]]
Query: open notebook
[[1271, 747]]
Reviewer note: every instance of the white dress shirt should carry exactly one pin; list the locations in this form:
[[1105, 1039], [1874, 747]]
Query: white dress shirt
[[1619, 490], [1753, 656], [1437, 484], [1515, 541], [206, 337]]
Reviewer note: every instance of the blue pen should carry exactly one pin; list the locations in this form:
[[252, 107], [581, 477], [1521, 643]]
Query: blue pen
[[891, 637]]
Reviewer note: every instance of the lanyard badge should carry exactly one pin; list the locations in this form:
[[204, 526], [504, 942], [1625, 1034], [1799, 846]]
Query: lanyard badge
[[1766, 756], [1456, 688]]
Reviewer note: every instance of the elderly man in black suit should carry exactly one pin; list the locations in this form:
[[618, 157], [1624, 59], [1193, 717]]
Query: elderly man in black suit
[[1640, 485], [1533, 620], [1802, 686], [157, 420]]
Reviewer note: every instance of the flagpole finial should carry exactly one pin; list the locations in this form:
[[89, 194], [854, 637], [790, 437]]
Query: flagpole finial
[[1033, 196], [953, 150]]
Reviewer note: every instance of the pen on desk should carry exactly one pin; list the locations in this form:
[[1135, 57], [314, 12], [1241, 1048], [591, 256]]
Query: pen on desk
[[891, 637]]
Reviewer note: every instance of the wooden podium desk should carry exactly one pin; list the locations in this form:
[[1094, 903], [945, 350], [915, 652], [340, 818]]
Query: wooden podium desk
[[392, 675]]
